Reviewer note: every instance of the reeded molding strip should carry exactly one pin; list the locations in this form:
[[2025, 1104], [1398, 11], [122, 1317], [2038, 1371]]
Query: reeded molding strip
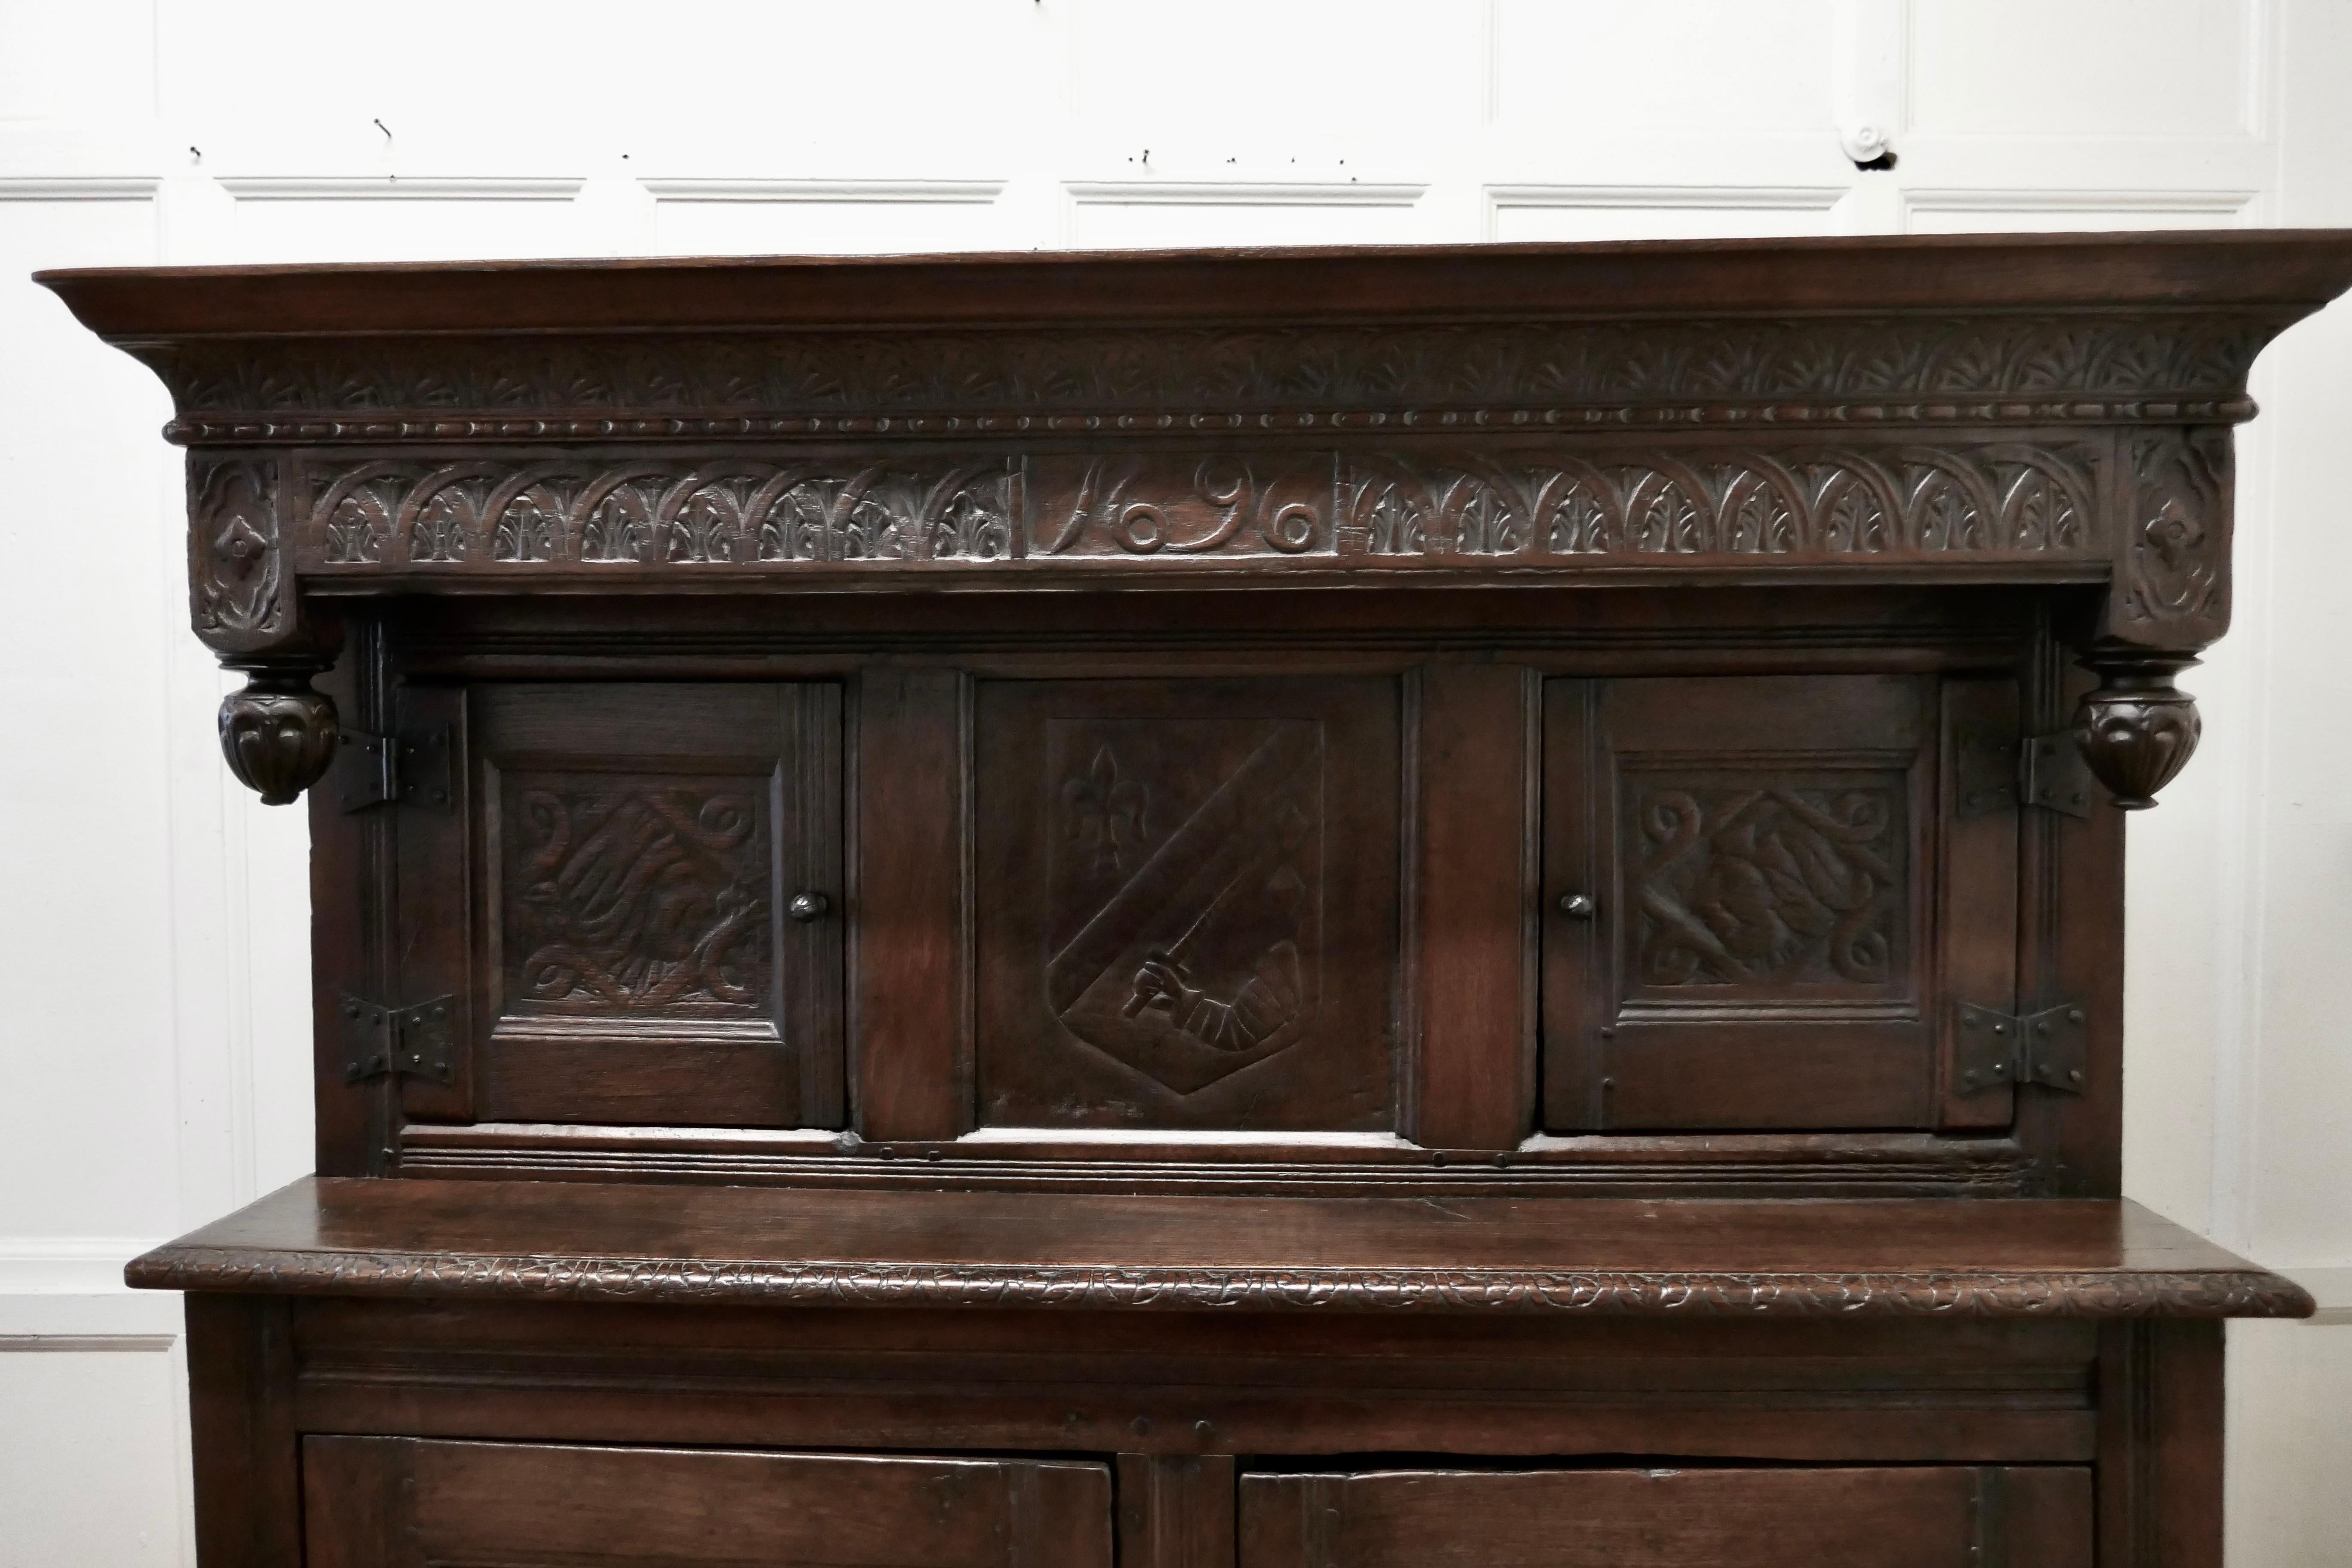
[[2248, 1293]]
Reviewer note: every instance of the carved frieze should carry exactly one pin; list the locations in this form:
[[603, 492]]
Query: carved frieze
[[1186, 381], [1917, 502], [716, 511], [1440, 506]]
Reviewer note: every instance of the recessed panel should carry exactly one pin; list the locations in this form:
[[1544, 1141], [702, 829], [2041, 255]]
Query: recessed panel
[[658, 882], [1766, 883], [637, 894], [1187, 904]]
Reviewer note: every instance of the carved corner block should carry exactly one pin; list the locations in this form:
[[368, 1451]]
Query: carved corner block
[[278, 735], [2170, 599]]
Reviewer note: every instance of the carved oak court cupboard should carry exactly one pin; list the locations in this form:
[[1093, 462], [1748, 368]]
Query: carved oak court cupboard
[[1255, 909]]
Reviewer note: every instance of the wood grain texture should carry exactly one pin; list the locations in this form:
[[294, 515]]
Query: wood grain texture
[[526, 1505], [911, 908], [619, 1242], [1472, 913], [1664, 1518], [242, 1432], [1196, 1386], [1176, 1512]]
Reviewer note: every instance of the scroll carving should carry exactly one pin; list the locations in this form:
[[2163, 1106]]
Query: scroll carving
[[634, 894], [1215, 504], [1797, 882]]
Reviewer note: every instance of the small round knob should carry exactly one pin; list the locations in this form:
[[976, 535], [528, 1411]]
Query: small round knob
[[1578, 906], [809, 907]]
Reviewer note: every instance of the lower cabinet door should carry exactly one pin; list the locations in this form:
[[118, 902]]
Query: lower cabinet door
[[401, 1502], [1930, 1517]]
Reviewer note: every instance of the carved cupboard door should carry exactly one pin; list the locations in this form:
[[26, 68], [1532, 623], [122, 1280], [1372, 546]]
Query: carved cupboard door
[[1768, 896], [637, 909], [1187, 903]]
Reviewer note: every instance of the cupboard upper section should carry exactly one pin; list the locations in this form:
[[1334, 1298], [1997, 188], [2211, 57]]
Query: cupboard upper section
[[2040, 410]]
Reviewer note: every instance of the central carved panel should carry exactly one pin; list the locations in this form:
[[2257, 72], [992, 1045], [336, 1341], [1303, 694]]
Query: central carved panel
[[636, 893], [1168, 871], [1186, 891], [1769, 882]]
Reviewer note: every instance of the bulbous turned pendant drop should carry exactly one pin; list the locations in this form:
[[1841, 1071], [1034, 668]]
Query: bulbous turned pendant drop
[[2137, 729], [277, 735]]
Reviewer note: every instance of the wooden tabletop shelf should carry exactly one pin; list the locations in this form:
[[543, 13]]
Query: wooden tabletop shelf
[[780, 1246]]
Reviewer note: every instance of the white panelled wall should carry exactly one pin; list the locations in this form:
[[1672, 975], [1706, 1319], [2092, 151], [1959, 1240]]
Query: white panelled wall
[[153, 917]]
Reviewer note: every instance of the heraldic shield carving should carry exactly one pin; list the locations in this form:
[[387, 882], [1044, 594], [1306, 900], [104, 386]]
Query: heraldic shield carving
[[1169, 877], [1186, 891]]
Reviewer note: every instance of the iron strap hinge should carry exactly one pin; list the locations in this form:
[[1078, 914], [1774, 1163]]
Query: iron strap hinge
[[2048, 1049], [1996, 772], [412, 1042], [409, 768]]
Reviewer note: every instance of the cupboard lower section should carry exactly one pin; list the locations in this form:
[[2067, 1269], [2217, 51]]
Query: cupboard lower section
[[347, 1433], [406, 1502]]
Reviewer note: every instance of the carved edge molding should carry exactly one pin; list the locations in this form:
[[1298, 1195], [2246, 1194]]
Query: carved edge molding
[[2187, 365], [2200, 1294]]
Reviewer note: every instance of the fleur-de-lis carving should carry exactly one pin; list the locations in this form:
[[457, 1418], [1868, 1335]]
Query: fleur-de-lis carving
[[1105, 813]]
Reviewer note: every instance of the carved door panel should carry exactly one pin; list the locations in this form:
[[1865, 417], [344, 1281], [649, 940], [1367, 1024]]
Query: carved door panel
[[403, 1502], [1766, 896], [1922, 1517], [1187, 903], [636, 954]]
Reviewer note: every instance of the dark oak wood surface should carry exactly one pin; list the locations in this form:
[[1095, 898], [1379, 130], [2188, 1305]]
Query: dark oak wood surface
[[1466, 902], [1668, 1518], [1835, 1257], [1951, 272], [391, 1502]]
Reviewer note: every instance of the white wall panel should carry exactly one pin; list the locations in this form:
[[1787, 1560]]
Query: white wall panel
[[830, 217], [1111, 216], [91, 1459], [2106, 68], [1661, 212], [392, 219], [1609, 69]]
